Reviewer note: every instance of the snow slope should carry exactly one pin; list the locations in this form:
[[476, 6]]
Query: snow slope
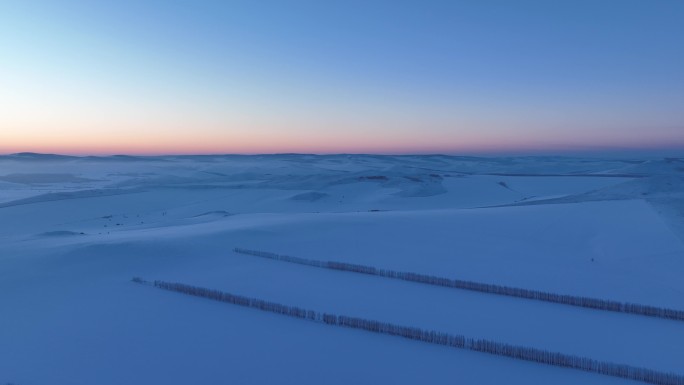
[[73, 231]]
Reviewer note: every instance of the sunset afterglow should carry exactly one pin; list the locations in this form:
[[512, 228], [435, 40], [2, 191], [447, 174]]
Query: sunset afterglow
[[82, 77]]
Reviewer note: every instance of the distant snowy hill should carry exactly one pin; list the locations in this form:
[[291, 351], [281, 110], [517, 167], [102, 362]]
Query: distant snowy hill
[[75, 230]]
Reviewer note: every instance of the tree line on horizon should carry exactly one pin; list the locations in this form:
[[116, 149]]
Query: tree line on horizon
[[432, 337], [564, 299]]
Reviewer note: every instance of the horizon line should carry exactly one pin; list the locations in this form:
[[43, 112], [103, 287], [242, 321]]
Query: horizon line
[[664, 152]]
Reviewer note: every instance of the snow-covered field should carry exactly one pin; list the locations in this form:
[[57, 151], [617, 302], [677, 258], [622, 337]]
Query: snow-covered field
[[75, 230]]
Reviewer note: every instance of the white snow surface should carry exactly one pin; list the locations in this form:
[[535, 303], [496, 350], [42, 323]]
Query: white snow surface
[[75, 230]]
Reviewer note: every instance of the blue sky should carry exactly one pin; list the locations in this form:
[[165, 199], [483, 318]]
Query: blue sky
[[345, 76]]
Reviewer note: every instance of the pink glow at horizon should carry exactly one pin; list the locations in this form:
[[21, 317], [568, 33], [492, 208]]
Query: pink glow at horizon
[[336, 145], [223, 77]]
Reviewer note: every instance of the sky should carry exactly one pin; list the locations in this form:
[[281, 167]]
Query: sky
[[373, 76]]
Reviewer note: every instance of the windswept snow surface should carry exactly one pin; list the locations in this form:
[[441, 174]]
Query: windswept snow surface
[[75, 230]]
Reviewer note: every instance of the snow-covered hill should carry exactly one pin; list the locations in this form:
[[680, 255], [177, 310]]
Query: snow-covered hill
[[75, 230]]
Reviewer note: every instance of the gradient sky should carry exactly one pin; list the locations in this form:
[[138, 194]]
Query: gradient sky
[[200, 76]]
